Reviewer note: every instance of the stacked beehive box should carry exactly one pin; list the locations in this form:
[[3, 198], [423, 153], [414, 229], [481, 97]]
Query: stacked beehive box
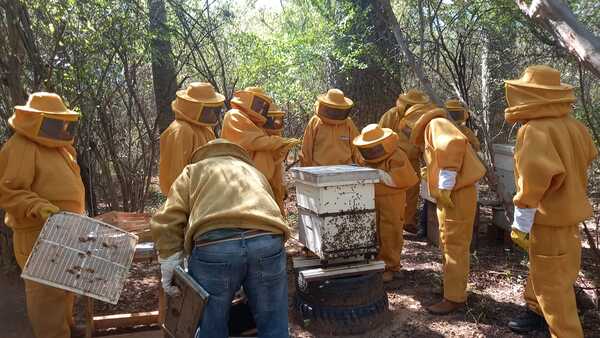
[[336, 207]]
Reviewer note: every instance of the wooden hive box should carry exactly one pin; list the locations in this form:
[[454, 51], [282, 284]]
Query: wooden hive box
[[336, 206]]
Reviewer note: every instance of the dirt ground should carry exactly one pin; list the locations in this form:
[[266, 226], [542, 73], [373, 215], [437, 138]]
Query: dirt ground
[[498, 273]]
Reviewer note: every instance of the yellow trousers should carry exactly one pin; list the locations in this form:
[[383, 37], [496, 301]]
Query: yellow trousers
[[50, 310], [278, 186], [390, 226], [554, 263], [456, 230]]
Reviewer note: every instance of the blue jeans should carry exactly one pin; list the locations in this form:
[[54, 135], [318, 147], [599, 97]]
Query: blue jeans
[[259, 264]]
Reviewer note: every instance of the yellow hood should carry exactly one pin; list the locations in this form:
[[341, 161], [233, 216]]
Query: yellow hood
[[418, 127], [29, 122]]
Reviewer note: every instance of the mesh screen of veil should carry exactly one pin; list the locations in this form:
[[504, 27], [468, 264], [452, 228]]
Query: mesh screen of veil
[[81, 255], [334, 113], [57, 129], [457, 115], [210, 115], [372, 152], [260, 105]]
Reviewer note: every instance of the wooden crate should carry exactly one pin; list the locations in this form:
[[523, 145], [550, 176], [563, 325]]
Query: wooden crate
[[133, 222]]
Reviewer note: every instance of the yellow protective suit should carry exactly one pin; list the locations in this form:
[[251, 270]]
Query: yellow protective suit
[[243, 126], [390, 197], [460, 114], [177, 143], [38, 172], [445, 147], [329, 142], [389, 202], [220, 189], [552, 155], [277, 182], [396, 120], [190, 130]]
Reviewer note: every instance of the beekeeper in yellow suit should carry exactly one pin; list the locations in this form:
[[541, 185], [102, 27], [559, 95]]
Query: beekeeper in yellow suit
[[244, 123], [460, 115], [453, 169], [197, 110], [553, 153], [274, 126], [39, 176], [329, 133], [395, 119], [379, 149]]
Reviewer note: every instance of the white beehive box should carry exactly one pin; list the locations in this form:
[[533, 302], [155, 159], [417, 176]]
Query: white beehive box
[[504, 164], [335, 189], [336, 206]]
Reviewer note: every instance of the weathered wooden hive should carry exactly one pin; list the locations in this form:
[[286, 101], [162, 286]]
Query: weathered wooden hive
[[336, 210]]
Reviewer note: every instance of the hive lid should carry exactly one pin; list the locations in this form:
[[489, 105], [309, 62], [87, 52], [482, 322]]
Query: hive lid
[[82, 255], [335, 175]]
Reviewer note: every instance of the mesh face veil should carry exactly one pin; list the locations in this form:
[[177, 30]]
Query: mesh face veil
[[260, 105], [457, 115], [373, 153], [333, 113], [210, 114], [57, 129]]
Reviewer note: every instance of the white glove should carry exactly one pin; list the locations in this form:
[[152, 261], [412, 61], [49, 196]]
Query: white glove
[[386, 178], [167, 269], [446, 179], [523, 219]]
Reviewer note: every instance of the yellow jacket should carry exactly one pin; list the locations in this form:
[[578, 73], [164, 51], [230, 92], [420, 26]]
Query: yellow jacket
[[328, 142], [473, 140], [261, 147], [225, 191], [394, 119], [552, 155], [445, 147], [33, 176], [400, 170], [177, 144]]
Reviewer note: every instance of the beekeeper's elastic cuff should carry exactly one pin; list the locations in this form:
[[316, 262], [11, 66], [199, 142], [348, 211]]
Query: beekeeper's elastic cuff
[[447, 179], [523, 220], [386, 178]]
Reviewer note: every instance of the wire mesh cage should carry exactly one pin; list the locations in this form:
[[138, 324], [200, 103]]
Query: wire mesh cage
[[82, 255]]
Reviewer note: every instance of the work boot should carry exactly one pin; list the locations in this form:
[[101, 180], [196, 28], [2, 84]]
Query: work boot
[[528, 322], [444, 307], [410, 228]]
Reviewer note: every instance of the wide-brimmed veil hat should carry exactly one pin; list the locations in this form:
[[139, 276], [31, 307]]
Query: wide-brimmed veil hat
[[414, 96], [46, 103], [335, 98]]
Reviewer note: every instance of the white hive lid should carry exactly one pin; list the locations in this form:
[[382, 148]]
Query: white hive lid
[[335, 175]]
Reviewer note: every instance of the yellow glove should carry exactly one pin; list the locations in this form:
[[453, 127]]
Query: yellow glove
[[444, 199], [424, 174], [520, 238], [290, 142], [47, 211]]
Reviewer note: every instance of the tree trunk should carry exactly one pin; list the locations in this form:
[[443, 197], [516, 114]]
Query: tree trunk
[[163, 69], [390, 18], [15, 53], [557, 18]]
